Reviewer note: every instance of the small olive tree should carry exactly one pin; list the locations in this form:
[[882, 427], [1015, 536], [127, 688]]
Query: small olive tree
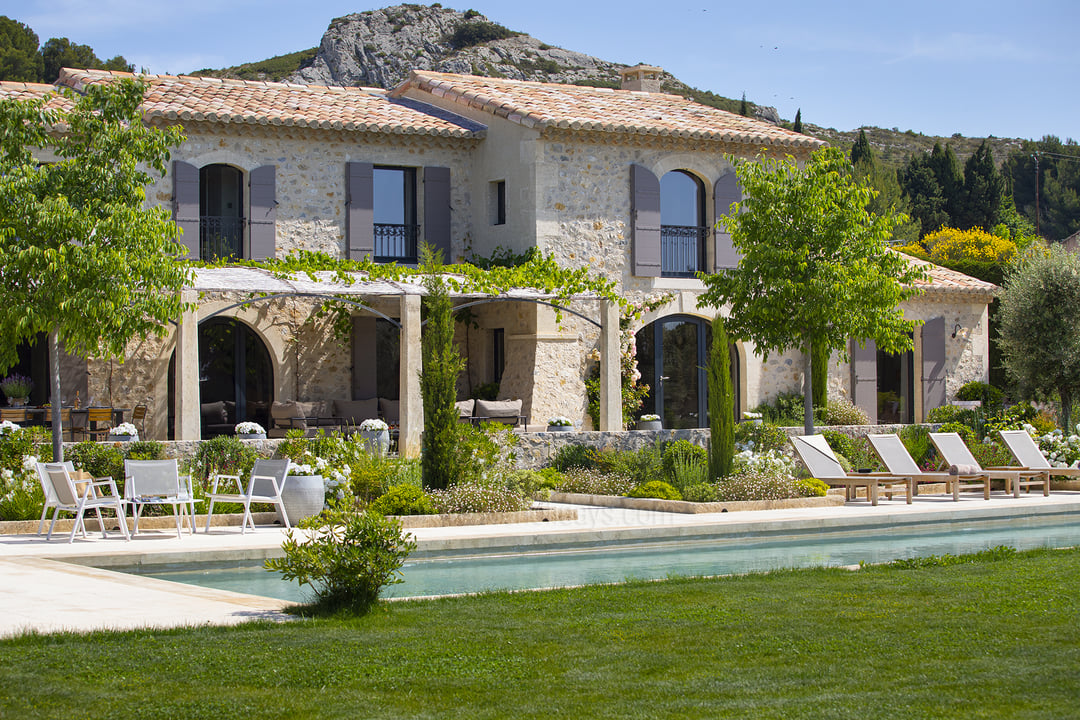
[[1039, 325]]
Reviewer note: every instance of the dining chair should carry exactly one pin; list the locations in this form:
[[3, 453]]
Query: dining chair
[[138, 415], [98, 422]]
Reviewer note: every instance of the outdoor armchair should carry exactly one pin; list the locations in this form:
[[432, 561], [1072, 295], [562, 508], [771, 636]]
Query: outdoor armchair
[[47, 490], [890, 448], [264, 486], [83, 496], [956, 454], [1028, 454], [158, 482], [819, 459]]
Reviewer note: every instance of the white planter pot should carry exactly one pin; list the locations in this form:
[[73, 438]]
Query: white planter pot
[[17, 402], [303, 496], [652, 425], [251, 436], [123, 438], [560, 428], [377, 442]]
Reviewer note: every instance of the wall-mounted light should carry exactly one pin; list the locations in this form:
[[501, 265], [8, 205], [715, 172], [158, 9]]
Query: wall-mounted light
[[957, 328]]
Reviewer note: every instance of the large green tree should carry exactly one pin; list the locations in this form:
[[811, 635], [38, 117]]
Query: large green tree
[[59, 53], [1045, 181], [1040, 328], [983, 193], [20, 60], [82, 256], [816, 268]]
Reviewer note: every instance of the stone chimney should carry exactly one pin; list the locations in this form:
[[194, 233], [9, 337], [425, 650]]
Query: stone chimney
[[645, 78]]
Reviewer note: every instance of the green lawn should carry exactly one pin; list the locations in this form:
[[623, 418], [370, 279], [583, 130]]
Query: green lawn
[[987, 639]]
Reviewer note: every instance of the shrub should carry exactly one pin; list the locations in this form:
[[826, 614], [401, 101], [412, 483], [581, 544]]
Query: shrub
[[224, 454], [701, 493], [916, 439], [844, 412], [1014, 418], [347, 558], [761, 437], [989, 395], [785, 409], [99, 459], [682, 451], [813, 487], [590, 481], [575, 456], [759, 484], [474, 497], [951, 413], [478, 32], [372, 476], [839, 442], [991, 454], [966, 434], [403, 500], [145, 450], [656, 489]]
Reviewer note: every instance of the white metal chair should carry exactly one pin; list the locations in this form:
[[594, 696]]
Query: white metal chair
[[79, 500], [264, 486], [47, 489], [956, 454], [890, 448], [158, 482], [819, 459]]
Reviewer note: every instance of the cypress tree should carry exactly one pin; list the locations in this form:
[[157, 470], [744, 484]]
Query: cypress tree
[[438, 380], [861, 150], [797, 127], [721, 404], [743, 109], [950, 178], [984, 191]]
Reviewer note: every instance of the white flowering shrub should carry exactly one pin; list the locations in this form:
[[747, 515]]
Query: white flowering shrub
[[249, 428], [21, 497], [592, 481], [1061, 450], [474, 497]]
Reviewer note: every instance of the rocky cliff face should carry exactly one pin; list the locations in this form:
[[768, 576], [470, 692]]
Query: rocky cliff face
[[378, 48]]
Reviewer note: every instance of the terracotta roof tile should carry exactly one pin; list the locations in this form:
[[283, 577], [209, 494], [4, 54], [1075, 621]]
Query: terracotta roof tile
[[549, 105], [184, 98], [32, 91], [944, 280]]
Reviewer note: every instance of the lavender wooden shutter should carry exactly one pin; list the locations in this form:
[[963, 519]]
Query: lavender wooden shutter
[[186, 205], [263, 189], [359, 210], [864, 378], [437, 210], [933, 364], [725, 192], [645, 221]]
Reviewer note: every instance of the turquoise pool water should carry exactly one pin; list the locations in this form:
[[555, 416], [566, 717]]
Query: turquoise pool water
[[535, 570]]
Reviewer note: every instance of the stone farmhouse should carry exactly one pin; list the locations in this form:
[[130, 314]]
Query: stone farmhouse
[[628, 182]]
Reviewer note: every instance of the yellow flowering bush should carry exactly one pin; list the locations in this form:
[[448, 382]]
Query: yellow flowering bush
[[951, 244]]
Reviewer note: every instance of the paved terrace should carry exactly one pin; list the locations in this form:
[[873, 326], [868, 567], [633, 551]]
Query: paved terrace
[[54, 586]]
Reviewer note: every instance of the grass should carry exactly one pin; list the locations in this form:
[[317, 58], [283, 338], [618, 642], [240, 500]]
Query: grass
[[994, 637]]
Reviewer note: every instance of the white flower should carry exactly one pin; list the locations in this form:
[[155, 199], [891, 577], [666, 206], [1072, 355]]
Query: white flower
[[751, 415], [249, 428], [124, 429], [7, 426], [560, 421], [373, 425], [649, 418], [301, 469]]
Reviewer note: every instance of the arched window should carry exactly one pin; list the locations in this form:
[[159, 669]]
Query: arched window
[[682, 224]]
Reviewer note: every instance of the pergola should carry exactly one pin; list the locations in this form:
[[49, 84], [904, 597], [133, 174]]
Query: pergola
[[260, 285]]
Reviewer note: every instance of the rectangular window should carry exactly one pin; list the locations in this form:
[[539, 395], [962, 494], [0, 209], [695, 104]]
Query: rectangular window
[[497, 202], [395, 214]]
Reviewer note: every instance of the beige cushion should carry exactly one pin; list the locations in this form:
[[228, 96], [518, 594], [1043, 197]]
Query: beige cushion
[[390, 410], [498, 408], [464, 408], [81, 478], [283, 412], [357, 411]]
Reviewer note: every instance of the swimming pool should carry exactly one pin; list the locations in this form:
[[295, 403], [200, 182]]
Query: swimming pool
[[521, 570]]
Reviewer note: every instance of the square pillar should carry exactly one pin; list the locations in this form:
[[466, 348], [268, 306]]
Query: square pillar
[[411, 404], [610, 368], [188, 420]]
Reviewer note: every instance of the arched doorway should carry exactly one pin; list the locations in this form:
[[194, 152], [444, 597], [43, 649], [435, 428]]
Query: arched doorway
[[236, 377], [672, 353]]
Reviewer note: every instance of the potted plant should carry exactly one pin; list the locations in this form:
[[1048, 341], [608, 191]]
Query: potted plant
[[17, 388], [649, 422], [754, 417], [250, 431], [560, 424], [376, 435], [303, 493], [124, 432]]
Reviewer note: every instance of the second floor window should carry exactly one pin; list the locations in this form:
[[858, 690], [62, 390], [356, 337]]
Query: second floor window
[[221, 212], [395, 214], [683, 231]]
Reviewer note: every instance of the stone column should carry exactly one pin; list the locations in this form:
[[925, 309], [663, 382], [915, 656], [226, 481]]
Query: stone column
[[610, 368], [186, 402], [411, 405]]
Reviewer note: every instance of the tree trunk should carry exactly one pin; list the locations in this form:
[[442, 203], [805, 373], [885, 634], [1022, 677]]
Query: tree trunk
[[54, 399], [808, 388]]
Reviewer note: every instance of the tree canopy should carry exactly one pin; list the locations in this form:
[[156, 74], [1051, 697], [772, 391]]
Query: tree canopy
[[815, 267], [82, 257], [1040, 328], [22, 61]]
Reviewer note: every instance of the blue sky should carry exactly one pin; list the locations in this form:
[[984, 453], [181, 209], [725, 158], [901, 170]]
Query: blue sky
[[974, 68]]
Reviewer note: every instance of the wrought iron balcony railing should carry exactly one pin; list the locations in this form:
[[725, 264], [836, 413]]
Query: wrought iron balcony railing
[[682, 250], [396, 243], [220, 237]]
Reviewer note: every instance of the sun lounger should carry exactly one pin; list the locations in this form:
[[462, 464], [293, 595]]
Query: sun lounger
[[819, 459], [890, 448], [956, 454], [1028, 454]]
